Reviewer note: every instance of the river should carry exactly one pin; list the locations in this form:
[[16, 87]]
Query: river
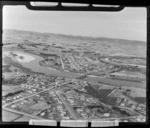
[[35, 67]]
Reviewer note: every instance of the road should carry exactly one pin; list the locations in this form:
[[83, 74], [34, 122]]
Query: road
[[123, 64], [22, 113], [35, 94], [116, 118], [70, 109], [130, 110], [11, 110], [62, 63]]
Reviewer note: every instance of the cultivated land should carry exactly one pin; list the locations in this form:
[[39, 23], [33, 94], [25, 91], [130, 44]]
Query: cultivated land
[[62, 77]]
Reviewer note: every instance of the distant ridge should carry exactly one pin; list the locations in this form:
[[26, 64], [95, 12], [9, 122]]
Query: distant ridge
[[75, 36]]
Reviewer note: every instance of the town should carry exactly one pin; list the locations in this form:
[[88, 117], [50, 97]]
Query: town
[[56, 82], [48, 97]]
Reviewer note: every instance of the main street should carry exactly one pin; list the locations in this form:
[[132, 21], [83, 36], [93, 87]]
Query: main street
[[70, 109], [62, 63]]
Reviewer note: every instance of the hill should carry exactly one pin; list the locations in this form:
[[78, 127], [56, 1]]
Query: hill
[[102, 45]]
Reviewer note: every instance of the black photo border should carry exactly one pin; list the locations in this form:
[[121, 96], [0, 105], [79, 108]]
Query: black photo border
[[60, 8]]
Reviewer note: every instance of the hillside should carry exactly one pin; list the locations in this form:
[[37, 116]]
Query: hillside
[[104, 46]]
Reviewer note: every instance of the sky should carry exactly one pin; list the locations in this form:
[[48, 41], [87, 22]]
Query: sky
[[129, 23]]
